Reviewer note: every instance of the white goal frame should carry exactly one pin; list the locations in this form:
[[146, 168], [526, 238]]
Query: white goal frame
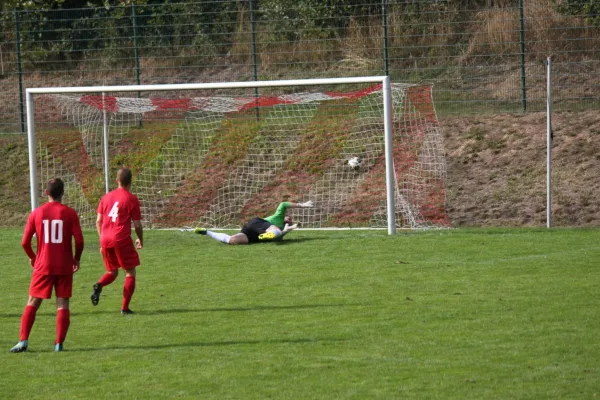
[[387, 114]]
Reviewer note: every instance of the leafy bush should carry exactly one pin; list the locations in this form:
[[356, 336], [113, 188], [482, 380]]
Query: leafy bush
[[588, 9]]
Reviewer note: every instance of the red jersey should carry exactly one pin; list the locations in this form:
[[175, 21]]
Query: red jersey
[[118, 208], [54, 225]]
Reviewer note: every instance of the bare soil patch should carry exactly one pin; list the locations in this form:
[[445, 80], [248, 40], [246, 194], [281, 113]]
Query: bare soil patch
[[496, 171]]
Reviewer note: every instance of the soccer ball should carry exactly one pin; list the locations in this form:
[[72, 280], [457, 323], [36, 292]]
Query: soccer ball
[[354, 162]]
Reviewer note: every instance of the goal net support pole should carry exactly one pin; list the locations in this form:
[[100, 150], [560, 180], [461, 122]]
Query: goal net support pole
[[389, 159], [105, 142], [72, 112], [31, 142]]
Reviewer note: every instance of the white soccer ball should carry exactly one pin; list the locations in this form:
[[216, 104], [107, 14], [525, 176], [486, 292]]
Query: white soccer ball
[[355, 162]]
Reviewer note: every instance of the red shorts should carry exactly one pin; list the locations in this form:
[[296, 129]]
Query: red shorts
[[41, 286], [125, 257]]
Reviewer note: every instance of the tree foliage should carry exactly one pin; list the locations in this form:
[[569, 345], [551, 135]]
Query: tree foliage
[[71, 30], [53, 32], [588, 9]]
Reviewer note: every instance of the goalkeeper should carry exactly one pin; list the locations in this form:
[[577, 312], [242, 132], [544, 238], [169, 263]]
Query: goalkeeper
[[271, 228]]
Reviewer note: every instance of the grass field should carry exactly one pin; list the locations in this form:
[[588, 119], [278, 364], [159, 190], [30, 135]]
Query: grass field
[[461, 314]]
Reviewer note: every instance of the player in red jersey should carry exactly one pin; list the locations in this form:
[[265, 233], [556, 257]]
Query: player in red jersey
[[116, 211], [55, 225]]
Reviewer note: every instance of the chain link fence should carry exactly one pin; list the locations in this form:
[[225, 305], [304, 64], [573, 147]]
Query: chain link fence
[[483, 56]]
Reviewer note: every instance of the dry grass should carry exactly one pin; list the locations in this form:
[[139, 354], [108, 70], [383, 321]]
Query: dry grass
[[496, 32], [468, 52], [363, 39]]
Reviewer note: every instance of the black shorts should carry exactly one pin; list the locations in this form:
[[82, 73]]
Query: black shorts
[[255, 227]]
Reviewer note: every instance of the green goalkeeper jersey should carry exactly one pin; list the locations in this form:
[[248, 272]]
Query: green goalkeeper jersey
[[277, 219]]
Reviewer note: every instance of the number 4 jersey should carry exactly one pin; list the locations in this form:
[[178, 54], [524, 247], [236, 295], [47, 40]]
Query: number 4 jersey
[[118, 208], [54, 225]]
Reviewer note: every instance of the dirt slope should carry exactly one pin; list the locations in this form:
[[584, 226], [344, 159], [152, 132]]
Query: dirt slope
[[14, 180], [496, 171]]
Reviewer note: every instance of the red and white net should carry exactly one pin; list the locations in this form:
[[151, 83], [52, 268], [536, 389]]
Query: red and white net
[[220, 160]]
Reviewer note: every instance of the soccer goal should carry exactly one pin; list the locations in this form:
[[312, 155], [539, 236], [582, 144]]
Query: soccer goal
[[367, 152]]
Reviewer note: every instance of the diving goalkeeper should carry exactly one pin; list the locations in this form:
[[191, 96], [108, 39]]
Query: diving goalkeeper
[[271, 228]]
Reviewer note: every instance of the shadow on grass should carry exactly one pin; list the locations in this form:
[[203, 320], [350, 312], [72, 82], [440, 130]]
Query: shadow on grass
[[329, 237], [288, 241], [243, 309], [73, 314], [193, 344], [212, 344], [188, 310]]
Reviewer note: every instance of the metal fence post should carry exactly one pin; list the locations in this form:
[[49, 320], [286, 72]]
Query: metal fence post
[[385, 38], [136, 55], [19, 69], [522, 42], [135, 46], [254, 61]]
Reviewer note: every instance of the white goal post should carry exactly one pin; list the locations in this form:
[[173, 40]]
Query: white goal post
[[192, 155]]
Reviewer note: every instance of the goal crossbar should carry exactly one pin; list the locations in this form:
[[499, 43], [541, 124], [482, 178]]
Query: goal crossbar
[[207, 86]]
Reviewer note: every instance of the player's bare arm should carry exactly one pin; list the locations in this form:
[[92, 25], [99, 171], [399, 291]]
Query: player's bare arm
[[139, 231], [99, 224], [99, 227]]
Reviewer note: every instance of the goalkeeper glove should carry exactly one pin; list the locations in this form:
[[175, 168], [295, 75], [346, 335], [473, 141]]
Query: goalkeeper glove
[[308, 204], [288, 228]]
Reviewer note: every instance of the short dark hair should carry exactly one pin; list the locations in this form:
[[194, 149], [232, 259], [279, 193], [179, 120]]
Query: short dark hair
[[124, 176], [55, 188]]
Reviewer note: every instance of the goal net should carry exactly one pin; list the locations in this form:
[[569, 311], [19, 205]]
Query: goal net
[[218, 155]]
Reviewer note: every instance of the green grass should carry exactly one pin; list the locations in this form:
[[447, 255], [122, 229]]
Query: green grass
[[461, 314]]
